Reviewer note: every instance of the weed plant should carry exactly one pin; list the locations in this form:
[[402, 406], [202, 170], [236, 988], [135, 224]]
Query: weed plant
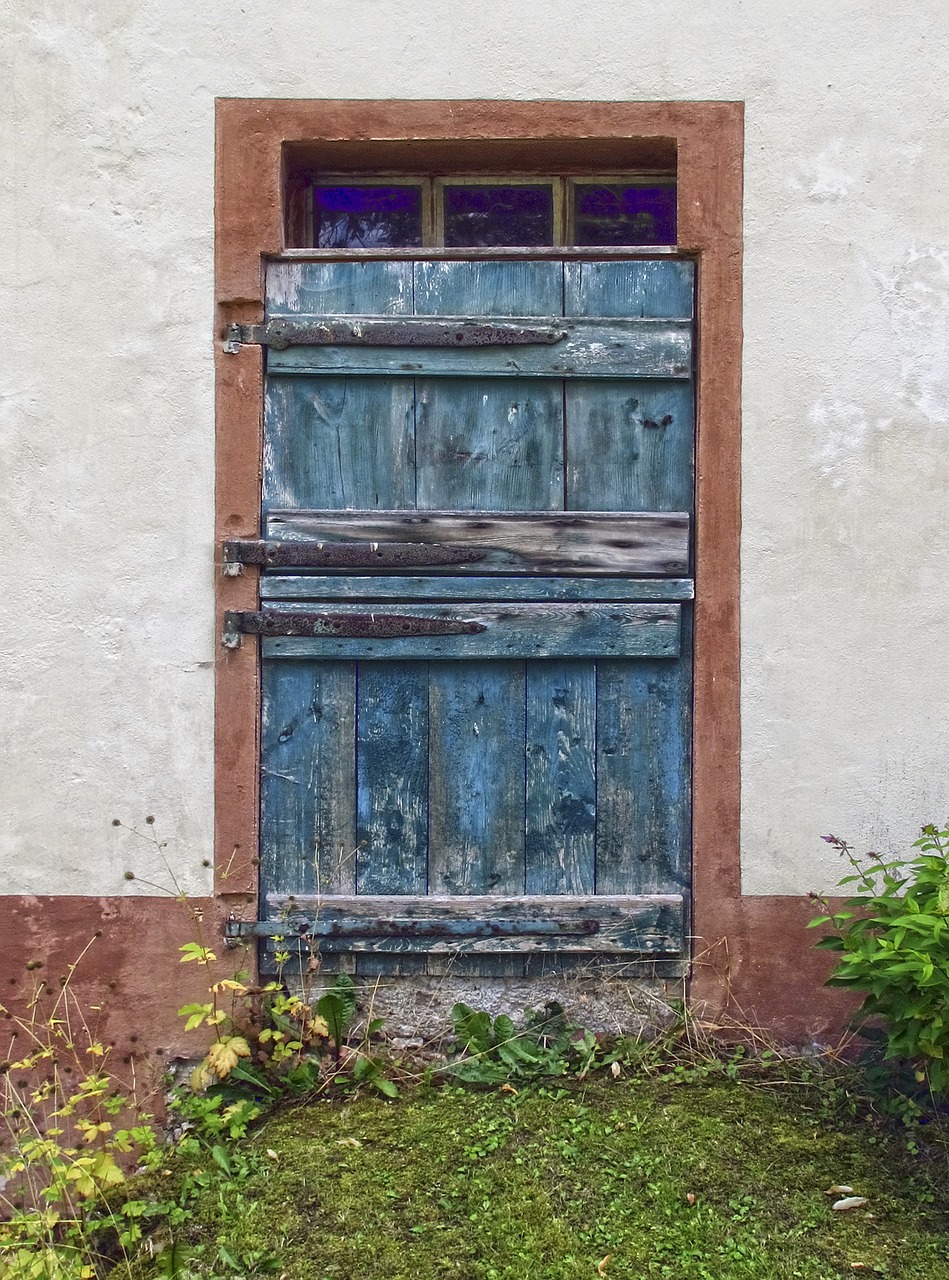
[[73, 1130]]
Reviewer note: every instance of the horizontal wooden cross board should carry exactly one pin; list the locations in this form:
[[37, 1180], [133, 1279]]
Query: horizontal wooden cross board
[[613, 630], [318, 586], [485, 924], [593, 348], [589, 542]]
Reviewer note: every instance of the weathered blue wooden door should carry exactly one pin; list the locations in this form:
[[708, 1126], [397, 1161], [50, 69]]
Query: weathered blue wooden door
[[476, 611]]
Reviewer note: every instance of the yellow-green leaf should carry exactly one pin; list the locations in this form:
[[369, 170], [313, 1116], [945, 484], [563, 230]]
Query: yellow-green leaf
[[202, 1076], [224, 1054]]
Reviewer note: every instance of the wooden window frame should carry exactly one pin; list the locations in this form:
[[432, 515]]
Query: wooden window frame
[[253, 137]]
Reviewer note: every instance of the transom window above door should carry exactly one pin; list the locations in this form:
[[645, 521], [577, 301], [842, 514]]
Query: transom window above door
[[403, 212]]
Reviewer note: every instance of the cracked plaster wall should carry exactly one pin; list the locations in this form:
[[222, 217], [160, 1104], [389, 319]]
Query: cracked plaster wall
[[106, 409]]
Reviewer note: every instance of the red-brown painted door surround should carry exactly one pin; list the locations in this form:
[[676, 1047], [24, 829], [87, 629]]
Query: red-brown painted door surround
[[254, 139]]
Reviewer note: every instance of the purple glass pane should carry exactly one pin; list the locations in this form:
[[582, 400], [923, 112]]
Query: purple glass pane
[[624, 215], [485, 217], [367, 217]]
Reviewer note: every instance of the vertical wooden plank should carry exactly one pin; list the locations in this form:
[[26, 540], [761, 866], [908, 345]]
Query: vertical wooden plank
[[484, 444], [488, 288], [657, 289], [561, 777], [308, 777], [629, 442], [490, 444], [339, 443], [477, 778], [338, 288], [392, 777], [629, 445], [642, 821]]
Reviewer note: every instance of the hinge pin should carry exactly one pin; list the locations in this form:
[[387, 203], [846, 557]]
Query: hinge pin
[[231, 635], [233, 336]]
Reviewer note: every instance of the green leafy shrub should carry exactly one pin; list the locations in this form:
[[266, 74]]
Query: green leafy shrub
[[892, 936]]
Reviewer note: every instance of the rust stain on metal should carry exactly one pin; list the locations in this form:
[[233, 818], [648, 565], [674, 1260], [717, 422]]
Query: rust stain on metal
[[368, 626], [349, 332], [345, 555]]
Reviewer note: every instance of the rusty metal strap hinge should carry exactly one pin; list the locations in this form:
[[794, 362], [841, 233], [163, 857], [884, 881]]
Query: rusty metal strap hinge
[[357, 332], [359, 626], [344, 555]]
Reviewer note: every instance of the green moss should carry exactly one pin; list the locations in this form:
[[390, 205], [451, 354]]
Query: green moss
[[547, 1183]]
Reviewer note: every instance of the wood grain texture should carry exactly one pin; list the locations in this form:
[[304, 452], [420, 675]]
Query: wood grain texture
[[561, 777], [642, 776], [629, 442], [339, 443], [629, 445], [392, 777], [306, 586], [591, 543], [492, 253], [591, 349], [338, 288], [489, 444], [482, 775], [476, 770], [307, 777], [488, 288], [616, 629], [652, 290]]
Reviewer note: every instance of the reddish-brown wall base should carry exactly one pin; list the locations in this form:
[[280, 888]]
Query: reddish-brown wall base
[[763, 970], [128, 978], [131, 982]]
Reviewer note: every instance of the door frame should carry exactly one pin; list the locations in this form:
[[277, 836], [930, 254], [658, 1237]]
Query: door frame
[[252, 141]]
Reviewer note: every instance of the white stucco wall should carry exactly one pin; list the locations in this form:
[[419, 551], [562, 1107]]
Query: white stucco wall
[[106, 388]]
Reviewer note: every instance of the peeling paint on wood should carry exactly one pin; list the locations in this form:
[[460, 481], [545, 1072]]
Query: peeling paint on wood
[[476, 828], [589, 349], [370, 331]]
